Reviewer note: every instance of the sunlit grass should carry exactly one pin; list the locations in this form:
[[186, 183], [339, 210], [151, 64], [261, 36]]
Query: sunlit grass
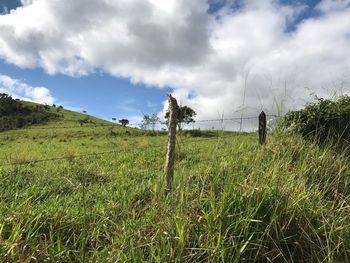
[[233, 200]]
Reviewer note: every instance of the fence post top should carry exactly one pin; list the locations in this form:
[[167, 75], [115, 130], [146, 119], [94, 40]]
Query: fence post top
[[262, 113], [172, 102]]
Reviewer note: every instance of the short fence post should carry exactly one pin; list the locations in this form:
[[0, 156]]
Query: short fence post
[[170, 157], [262, 128]]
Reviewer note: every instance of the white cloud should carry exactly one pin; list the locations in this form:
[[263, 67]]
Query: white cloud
[[26, 2], [214, 62], [331, 5], [19, 90]]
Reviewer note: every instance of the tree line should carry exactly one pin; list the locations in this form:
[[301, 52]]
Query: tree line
[[14, 115]]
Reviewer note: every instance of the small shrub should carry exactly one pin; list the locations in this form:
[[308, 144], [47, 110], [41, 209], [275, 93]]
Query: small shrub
[[198, 133], [325, 120]]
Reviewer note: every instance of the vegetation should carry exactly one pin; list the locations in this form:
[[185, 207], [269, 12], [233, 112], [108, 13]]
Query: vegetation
[[233, 200], [124, 122], [13, 114], [185, 116], [149, 121], [325, 120]]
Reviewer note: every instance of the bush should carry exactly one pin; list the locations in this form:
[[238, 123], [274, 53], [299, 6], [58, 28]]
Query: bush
[[199, 133], [325, 120], [15, 115]]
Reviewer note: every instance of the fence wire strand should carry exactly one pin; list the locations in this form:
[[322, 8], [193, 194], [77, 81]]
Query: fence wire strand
[[180, 141], [136, 124], [139, 124], [59, 158]]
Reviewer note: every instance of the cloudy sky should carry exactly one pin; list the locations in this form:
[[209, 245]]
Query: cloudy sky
[[118, 58]]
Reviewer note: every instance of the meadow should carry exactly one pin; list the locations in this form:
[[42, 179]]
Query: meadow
[[92, 192]]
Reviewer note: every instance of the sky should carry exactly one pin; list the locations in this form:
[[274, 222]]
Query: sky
[[223, 58]]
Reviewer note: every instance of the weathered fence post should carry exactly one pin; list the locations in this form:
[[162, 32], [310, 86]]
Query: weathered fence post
[[170, 157], [262, 128]]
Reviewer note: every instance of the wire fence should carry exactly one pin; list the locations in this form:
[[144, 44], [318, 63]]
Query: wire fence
[[225, 124], [189, 150], [133, 124], [162, 123], [88, 184], [26, 162], [245, 124]]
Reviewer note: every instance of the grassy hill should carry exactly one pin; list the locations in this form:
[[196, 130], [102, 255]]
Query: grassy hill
[[86, 191]]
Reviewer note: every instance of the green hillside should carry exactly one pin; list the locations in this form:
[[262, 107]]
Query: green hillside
[[80, 189]]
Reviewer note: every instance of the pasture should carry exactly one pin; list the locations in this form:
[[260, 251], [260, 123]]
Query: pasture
[[90, 193]]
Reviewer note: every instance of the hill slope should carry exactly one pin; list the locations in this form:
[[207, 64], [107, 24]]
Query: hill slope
[[72, 193], [16, 114]]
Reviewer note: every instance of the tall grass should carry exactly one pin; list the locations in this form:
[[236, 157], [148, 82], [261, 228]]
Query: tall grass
[[234, 201]]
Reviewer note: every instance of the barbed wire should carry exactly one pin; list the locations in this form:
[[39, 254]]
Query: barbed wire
[[136, 124], [180, 141], [63, 136], [140, 124], [94, 125], [227, 119], [157, 169], [28, 162], [77, 135], [121, 133]]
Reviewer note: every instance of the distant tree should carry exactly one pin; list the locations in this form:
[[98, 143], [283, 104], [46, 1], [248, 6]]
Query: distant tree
[[149, 121], [84, 111], [114, 119], [186, 115], [154, 120], [145, 122], [124, 122]]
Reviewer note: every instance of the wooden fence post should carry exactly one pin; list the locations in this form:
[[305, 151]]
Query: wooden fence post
[[262, 128], [170, 157]]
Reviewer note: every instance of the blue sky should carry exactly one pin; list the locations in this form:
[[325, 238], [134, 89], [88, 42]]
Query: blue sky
[[9, 4], [99, 94], [128, 73]]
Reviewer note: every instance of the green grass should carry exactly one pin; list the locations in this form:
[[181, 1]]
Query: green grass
[[233, 200]]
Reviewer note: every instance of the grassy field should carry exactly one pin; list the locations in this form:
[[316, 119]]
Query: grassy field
[[101, 197]]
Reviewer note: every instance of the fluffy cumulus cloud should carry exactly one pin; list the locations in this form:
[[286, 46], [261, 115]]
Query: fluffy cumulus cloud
[[246, 56], [20, 90]]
